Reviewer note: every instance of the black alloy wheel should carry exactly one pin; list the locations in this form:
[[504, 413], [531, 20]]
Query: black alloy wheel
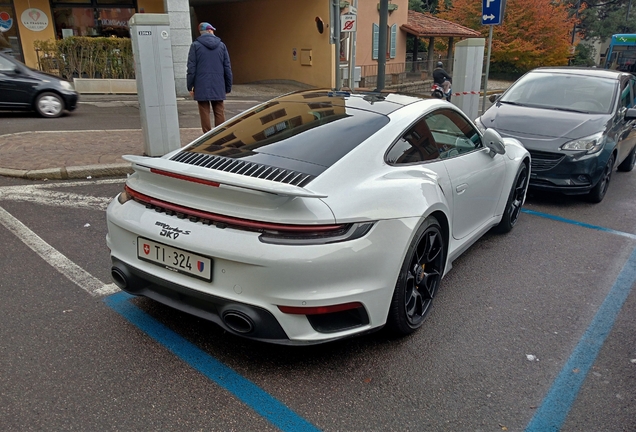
[[515, 201], [629, 162], [419, 278], [597, 193]]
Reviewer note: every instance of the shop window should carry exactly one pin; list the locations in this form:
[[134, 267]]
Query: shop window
[[94, 19], [9, 35]]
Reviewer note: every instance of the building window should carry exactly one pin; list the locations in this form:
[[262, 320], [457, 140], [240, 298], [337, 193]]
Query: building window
[[92, 17], [391, 41]]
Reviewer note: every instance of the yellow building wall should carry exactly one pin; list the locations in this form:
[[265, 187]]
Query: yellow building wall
[[261, 36], [27, 37], [368, 14]]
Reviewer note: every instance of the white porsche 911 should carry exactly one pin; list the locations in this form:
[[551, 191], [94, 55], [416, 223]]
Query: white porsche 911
[[315, 216]]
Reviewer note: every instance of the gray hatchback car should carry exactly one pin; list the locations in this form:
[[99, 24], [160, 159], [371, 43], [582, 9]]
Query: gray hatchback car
[[577, 123], [23, 88]]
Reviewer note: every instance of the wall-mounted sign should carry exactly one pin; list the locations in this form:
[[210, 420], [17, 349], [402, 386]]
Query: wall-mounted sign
[[347, 23], [34, 19], [5, 22]]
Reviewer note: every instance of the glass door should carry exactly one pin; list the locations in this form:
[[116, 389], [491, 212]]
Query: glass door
[[9, 35]]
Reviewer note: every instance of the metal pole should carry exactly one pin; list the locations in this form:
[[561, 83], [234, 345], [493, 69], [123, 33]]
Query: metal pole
[[335, 4], [384, 19], [576, 16], [483, 103], [352, 53]]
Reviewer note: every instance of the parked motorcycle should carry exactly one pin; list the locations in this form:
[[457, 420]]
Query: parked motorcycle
[[437, 91]]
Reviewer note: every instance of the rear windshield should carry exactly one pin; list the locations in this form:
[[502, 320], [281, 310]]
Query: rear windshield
[[578, 93], [311, 131]]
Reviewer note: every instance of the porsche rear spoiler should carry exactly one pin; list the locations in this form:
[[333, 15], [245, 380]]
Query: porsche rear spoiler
[[205, 175]]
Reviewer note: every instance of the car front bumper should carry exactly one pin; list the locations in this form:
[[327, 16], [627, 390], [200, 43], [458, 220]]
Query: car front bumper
[[253, 278], [70, 100], [566, 173]]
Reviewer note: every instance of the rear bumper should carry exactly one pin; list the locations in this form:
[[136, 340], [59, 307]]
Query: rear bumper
[[206, 306], [254, 278]]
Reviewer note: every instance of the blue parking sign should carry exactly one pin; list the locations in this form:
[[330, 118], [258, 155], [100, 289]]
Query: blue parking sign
[[492, 12]]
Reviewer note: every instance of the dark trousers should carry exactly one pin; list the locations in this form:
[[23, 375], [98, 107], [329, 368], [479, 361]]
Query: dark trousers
[[204, 111]]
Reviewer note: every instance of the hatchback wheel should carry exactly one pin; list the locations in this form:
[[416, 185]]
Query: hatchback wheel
[[49, 105], [419, 279], [629, 162], [597, 193]]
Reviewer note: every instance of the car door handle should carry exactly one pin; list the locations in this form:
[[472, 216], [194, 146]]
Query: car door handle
[[461, 188]]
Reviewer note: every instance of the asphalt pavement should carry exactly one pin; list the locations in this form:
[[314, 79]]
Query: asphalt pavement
[[88, 151]]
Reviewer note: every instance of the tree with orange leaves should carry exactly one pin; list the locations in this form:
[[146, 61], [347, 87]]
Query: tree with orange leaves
[[533, 32]]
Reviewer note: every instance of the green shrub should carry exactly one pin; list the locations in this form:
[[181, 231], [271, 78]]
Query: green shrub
[[87, 57]]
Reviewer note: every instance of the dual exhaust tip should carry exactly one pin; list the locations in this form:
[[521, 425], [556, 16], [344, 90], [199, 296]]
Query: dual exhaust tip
[[236, 320]]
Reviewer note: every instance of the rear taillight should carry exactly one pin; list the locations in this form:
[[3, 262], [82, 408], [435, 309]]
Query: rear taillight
[[319, 310], [350, 231], [273, 233]]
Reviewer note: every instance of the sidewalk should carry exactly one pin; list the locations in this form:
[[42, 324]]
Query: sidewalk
[[98, 153]]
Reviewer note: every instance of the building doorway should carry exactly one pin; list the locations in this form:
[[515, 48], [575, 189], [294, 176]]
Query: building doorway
[[9, 33]]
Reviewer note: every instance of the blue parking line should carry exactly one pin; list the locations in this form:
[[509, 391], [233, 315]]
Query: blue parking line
[[581, 224], [558, 402], [243, 389]]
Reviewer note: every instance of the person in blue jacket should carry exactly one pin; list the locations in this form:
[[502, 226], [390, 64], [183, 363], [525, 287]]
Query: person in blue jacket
[[209, 76]]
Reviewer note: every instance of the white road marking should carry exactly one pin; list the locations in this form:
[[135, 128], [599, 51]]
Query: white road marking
[[41, 194]]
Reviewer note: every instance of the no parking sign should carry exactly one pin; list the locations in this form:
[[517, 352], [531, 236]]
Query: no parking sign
[[347, 23]]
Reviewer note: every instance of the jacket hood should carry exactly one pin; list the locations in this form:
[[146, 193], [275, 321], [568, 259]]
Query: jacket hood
[[209, 41], [542, 129]]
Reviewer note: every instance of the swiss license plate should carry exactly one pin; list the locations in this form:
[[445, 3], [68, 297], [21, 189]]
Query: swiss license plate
[[177, 260]]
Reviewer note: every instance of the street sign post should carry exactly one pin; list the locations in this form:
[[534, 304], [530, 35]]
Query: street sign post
[[492, 12]]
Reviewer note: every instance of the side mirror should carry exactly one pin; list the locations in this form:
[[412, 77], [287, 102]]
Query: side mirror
[[630, 114], [493, 97], [493, 141]]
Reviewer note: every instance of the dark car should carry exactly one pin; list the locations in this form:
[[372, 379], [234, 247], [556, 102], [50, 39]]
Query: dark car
[[22, 88], [577, 124]]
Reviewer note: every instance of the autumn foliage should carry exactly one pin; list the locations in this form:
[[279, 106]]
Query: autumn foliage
[[533, 33]]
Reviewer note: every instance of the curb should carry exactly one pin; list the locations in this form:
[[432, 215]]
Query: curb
[[72, 172]]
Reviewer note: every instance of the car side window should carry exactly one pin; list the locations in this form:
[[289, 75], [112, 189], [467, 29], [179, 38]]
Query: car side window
[[415, 146], [453, 134], [6, 65], [626, 96]]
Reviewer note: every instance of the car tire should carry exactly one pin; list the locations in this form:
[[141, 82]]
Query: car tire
[[628, 164], [515, 201], [419, 278], [49, 105], [597, 193]]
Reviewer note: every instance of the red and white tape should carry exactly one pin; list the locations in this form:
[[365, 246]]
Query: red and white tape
[[466, 93]]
